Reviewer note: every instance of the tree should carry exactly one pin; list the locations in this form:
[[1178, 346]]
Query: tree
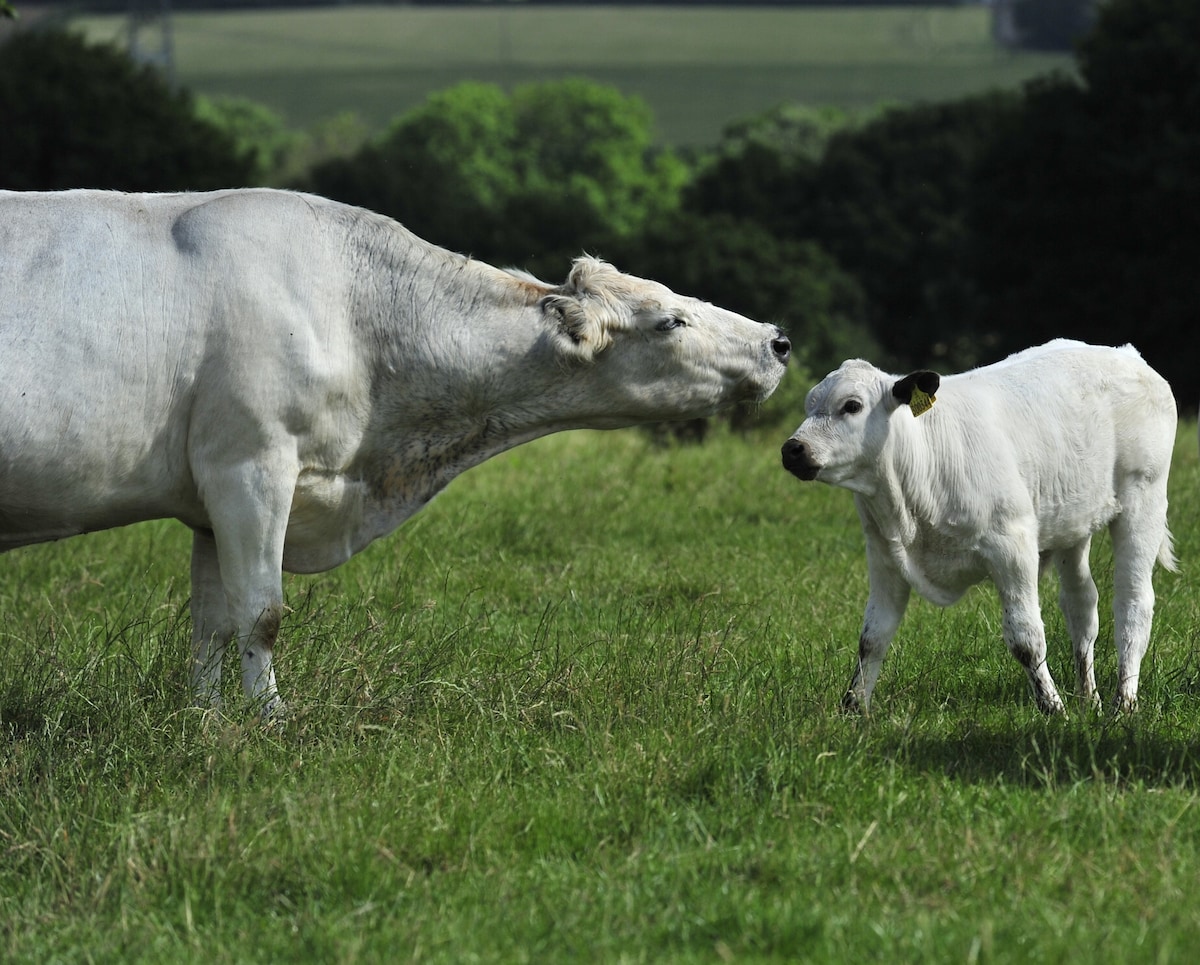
[[742, 266], [889, 201], [257, 133], [1051, 24], [886, 197], [82, 115], [532, 178], [763, 168], [1087, 219]]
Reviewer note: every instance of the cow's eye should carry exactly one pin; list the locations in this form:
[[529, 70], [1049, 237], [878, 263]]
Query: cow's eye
[[851, 406], [669, 323]]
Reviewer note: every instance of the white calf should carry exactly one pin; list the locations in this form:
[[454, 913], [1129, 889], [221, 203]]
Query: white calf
[[1018, 463]]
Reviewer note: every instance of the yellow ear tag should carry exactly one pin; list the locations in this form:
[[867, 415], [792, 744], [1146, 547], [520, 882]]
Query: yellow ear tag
[[921, 402]]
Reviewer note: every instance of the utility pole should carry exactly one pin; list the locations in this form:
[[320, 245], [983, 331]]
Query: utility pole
[[150, 37]]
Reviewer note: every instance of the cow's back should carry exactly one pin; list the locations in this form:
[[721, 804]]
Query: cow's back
[[117, 312]]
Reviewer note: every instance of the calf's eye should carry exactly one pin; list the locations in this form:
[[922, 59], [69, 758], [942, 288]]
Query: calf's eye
[[851, 407], [669, 323]]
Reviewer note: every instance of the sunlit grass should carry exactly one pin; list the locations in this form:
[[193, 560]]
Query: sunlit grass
[[585, 706]]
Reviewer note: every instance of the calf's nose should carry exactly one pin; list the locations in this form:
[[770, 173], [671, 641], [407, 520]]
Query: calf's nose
[[781, 345], [797, 460]]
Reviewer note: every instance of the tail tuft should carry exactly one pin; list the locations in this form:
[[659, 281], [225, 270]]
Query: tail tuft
[[1166, 553]]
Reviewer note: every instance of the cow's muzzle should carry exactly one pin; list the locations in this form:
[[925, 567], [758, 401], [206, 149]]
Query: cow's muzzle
[[781, 346], [798, 460]]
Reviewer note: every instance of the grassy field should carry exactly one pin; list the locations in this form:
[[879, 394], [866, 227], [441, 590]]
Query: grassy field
[[585, 708], [698, 69]]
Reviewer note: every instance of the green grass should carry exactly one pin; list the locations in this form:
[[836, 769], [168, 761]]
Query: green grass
[[585, 708], [698, 69]]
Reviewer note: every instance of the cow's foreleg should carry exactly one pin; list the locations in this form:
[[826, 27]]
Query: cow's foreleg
[[1078, 598], [249, 517], [1137, 535], [1024, 632], [211, 627], [885, 608]]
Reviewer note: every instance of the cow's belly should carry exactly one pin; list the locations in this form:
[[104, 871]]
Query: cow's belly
[[40, 502]]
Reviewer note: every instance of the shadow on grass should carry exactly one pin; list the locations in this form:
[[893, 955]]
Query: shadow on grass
[[1052, 754]]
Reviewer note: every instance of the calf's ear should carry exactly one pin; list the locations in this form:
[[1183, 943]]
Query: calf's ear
[[917, 390]]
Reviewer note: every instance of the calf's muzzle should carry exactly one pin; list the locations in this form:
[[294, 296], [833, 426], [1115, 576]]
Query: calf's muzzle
[[798, 460]]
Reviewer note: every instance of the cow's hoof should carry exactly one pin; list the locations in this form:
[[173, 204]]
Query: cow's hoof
[[853, 704]]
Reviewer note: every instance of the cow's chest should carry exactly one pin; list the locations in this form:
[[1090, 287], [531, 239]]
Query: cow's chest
[[335, 514]]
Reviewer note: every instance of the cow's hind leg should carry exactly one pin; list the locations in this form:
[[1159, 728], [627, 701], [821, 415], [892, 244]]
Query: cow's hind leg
[[1139, 537], [1078, 598], [211, 627]]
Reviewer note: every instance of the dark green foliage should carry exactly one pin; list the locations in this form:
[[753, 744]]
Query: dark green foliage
[[81, 115], [531, 179], [1087, 217], [889, 201], [740, 265], [1052, 24], [764, 168]]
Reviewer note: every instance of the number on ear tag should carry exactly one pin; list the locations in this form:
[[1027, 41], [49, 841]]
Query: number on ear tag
[[920, 402]]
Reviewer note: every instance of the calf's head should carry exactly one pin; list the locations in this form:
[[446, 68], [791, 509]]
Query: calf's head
[[642, 353], [847, 421]]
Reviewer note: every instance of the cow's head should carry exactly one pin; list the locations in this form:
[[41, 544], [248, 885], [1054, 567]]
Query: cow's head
[[653, 355], [847, 421]]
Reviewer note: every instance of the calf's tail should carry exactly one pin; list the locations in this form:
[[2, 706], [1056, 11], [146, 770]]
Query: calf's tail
[[1166, 553]]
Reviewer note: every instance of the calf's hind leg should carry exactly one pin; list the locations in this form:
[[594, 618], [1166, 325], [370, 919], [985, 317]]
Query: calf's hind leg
[[1078, 598], [1139, 538]]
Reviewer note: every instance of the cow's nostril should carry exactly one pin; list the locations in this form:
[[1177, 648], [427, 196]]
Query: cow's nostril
[[781, 345]]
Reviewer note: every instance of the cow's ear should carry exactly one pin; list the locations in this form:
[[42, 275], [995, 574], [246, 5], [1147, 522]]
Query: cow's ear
[[917, 390], [575, 328]]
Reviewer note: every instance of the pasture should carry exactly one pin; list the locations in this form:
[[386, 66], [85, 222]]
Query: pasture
[[699, 69], [585, 707]]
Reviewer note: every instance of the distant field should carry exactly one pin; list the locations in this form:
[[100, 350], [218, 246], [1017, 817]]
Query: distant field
[[698, 69]]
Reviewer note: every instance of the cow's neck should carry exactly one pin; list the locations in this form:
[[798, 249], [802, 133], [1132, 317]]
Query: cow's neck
[[467, 372]]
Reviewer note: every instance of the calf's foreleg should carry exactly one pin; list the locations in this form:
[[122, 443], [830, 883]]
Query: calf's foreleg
[[886, 604], [1024, 632]]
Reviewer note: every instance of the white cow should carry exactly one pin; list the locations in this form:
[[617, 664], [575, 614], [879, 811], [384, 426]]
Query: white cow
[[1016, 464], [293, 378]]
